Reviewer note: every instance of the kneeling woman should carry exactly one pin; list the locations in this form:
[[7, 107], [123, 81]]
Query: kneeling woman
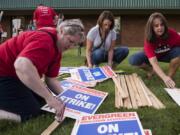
[[101, 40], [161, 44]]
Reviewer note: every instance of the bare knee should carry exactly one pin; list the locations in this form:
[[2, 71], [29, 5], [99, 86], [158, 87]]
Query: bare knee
[[175, 61], [5, 115]]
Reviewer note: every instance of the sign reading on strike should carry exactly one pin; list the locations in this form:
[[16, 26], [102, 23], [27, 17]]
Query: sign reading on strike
[[121, 123], [80, 101]]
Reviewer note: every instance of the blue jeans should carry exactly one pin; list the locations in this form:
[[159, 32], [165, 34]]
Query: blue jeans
[[140, 58], [100, 55]]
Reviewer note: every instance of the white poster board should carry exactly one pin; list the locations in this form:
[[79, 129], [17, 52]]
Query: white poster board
[[175, 94], [16, 25], [65, 70]]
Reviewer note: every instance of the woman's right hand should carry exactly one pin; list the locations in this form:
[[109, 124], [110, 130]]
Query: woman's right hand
[[90, 65], [58, 105], [169, 82]]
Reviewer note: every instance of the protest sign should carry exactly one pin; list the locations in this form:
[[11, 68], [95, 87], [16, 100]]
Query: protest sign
[[68, 83], [66, 69], [92, 74], [119, 123], [80, 101]]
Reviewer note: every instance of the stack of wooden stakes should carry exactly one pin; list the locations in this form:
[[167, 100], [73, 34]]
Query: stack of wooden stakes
[[131, 92]]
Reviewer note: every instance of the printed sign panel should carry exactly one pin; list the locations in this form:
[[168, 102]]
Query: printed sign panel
[[80, 101], [92, 74], [66, 84], [120, 123], [66, 69]]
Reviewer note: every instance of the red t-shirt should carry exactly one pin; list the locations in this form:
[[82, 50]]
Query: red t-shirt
[[44, 16], [37, 46], [162, 46]]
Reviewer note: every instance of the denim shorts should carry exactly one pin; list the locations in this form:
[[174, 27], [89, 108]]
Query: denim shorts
[[140, 58]]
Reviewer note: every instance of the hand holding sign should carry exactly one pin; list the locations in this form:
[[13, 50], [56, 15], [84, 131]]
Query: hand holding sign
[[58, 105]]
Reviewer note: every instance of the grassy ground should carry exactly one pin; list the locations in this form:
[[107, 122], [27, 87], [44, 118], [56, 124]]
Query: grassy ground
[[161, 122]]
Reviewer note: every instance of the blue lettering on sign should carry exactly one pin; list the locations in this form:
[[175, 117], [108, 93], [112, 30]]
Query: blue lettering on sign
[[80, 101], [91, 74], [97, 73], [110, 128], [129, 127], [82, 97]]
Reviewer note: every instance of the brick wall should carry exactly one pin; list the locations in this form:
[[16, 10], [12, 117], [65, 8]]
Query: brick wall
[[132, 26], [132, 31]]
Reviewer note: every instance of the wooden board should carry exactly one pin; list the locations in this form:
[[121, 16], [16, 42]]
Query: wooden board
[[136, 92], [131, 93], [117, 83], [154, 100], [51, 128]]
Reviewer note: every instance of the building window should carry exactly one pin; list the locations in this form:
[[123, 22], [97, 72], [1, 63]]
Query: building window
[[117, 26], [18, 24]]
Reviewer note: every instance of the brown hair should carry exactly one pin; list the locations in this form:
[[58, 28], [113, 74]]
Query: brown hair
[[149, 32], [106, 15]]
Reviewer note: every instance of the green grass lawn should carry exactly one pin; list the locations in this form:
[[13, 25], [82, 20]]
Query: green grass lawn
[[161, 122]]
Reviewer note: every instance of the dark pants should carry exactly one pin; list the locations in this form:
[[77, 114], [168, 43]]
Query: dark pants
[[15, 97], [140, 58]]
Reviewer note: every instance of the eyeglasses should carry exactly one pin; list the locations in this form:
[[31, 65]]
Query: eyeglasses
[[73, 43]]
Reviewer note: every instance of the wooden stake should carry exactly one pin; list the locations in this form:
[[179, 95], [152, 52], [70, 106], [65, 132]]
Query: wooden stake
[[142, 95], [126, 101], [145, 91], [117, 83], [136, 92], [139, 90], [118, 98], [51, 128], [156, 102], [123, 85], [131, 93]]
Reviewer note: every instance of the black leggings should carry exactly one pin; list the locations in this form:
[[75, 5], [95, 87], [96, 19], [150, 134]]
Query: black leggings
[[15, 97]]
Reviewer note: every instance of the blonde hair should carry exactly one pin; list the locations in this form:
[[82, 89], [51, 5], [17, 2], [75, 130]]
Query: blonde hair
[[72, 27]]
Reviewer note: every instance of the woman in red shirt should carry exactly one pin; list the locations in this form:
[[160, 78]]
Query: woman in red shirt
[[24, 60], [161, 44]]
